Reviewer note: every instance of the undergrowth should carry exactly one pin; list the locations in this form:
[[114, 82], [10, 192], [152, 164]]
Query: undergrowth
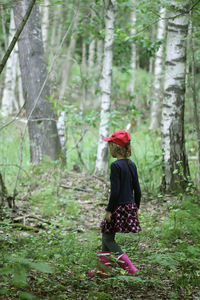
[[53, 262]]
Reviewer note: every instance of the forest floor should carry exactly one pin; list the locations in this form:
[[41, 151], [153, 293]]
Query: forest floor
[[49, 245]]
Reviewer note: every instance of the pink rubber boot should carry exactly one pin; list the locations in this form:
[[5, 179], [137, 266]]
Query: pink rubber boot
[[125, 263], [104, 259]]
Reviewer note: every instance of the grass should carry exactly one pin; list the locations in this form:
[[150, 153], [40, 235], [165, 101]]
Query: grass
[[53, 263]]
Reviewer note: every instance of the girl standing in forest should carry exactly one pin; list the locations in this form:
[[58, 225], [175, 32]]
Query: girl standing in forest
[[121, 211]]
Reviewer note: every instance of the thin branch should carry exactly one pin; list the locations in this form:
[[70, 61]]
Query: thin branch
[[14, 119], [193, 6], [31, 217], [75, 188], [80, 139], [16, 36], [17, 166]]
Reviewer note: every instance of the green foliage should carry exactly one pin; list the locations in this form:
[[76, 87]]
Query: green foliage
[[19, 267], [182, 222]]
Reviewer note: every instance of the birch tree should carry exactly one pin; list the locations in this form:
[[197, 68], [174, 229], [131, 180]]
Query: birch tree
[[133, 19], [158, 72], [105, 86], [8, 97], [45, 22], [12, 97], [175, 166], [42, 128]]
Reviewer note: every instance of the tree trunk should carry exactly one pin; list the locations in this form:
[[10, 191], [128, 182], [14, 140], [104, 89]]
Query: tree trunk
[[131, 86], [158, 72], [8, 97], [91, 73], [42, 128], [20, 94], [84, 75], [175, 167], [105, 86], [45, 22], [56, 30], [17, 34], [67, 64], [3, 22], [99, 55], [193, 86]]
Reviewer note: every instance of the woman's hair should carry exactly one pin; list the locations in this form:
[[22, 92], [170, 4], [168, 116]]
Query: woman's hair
[[118, 150]]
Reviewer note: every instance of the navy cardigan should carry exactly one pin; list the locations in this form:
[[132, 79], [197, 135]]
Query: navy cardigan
[[125, 187]]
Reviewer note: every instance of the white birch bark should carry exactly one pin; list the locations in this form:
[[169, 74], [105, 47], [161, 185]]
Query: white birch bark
[[45, 21], [131, 86], [175, 167], [158, 73], [8, 97], [105, 86], [61, 133]]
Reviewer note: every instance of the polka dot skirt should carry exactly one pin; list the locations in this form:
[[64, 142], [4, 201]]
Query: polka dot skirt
[[123, 219]]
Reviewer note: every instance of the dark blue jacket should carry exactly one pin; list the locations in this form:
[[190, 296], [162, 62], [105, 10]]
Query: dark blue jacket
[[125, 187]]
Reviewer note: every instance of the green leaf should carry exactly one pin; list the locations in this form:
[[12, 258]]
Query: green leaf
[[4, 291], [27, 296], [42, 267], [20, 276]]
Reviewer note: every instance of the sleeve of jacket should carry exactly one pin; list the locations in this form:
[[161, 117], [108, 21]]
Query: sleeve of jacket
[[115, 187], [136, 187]]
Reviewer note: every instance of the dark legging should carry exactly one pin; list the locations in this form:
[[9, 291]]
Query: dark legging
[[109, 244]]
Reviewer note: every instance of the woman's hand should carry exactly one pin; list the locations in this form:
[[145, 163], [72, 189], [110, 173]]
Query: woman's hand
[[108, 216]]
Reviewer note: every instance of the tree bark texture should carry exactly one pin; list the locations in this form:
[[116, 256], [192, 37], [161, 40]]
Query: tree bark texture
[[105, 86], [175, 166], [158, 72], [42, 128]]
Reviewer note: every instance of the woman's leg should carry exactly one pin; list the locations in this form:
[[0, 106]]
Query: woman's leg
[[109, 244]]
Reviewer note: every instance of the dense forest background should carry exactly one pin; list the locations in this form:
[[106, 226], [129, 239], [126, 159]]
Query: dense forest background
[[79, 71]]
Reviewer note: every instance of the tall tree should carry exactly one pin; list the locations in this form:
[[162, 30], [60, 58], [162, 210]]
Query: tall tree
[[175, 166], [8, 97], [133, 19], [158, 72], [42, 128], [12, 97], [105, 86]]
